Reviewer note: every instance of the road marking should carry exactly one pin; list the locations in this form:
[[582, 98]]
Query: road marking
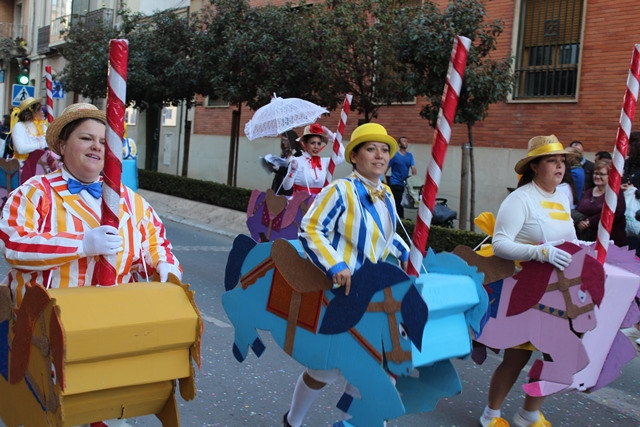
[[202, 248], [215, 321], [618, 400]]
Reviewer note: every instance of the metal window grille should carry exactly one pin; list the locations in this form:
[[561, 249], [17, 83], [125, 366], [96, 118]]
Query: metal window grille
[[550, 32]]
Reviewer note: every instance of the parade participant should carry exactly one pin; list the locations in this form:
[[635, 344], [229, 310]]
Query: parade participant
[[309, 171], [530, 221], [590, 208], [351, 220], [288, 142], [28, 136], [50, 225]]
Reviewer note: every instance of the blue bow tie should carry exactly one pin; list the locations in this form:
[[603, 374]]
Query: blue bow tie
[[75, 186]]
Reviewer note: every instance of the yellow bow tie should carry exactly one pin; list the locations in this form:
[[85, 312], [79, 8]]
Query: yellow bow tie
[[380, 194]]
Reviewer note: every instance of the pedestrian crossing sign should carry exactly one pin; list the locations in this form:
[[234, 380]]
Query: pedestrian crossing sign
[[20, 93]]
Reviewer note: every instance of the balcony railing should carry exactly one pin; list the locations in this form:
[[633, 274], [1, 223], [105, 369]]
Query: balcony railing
[[13, 31], [58, 27], [100, 17]]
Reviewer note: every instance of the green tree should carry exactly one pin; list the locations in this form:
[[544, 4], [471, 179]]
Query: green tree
[[427, 49], [254, 52], [161, 66], [360, 45]]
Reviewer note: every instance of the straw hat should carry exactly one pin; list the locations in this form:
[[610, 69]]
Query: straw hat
[[540, 146], [71, 113], [314, 129], [27, 103], [370, 132]]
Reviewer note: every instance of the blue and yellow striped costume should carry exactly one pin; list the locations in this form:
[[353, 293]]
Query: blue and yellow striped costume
[[342, 227]]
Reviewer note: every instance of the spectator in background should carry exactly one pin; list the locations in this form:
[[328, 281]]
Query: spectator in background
[[574, 166], [590, 207], [587, 165], [400, 165], [631, 175], [603, 155]]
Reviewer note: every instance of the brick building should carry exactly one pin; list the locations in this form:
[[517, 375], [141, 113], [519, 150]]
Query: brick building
[[571, 65]]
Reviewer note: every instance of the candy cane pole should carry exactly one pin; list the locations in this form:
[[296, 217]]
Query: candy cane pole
[[49, 84], [619, 153], [337, 140], [116, 98], [441, 138]]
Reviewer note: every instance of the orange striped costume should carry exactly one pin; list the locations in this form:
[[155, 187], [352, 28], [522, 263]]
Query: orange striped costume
[[43, 225]]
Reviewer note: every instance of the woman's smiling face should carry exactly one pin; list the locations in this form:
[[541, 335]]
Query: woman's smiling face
[[83, 151]]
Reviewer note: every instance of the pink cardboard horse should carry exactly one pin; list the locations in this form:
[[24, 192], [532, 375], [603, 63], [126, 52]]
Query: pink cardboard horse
[[550, 309]]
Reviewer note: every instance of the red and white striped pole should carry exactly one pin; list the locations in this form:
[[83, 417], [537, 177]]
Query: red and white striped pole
[[337, 140], [49, 84], [619, 153], [442, 136], [116, 102]]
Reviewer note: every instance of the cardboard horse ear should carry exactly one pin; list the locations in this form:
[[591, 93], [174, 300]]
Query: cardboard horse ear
[[80, 355]]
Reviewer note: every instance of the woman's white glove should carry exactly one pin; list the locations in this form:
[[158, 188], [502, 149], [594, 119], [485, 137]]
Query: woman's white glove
[[164, 268], [103, 240], [330, 134], [554, 256], [294, 165]]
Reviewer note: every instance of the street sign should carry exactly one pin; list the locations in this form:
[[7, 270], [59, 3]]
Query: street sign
[[20, 93], [58, 91]]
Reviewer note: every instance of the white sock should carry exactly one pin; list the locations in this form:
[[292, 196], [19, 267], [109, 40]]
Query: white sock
[[488, 415], [531, 416], [303, 398]]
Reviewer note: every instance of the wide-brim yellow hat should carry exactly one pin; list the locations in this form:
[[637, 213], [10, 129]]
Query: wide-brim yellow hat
[[72, 113], [27, 103], [540, 146], [370, 132]]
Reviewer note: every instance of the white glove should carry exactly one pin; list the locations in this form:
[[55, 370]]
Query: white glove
[[164, 268], [103, 240], [330, 134], [554, 256], [294, 165]]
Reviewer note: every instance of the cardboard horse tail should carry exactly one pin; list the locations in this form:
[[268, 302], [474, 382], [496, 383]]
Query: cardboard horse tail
[[375, 333], [79, 355]]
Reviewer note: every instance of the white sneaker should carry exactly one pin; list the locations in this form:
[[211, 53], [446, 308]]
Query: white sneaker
[[519, 421]]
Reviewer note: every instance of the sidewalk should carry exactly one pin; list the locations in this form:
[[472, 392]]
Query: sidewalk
[[201, 215]]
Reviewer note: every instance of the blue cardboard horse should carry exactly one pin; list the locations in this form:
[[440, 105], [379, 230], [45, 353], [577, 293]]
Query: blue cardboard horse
[[375, 335]]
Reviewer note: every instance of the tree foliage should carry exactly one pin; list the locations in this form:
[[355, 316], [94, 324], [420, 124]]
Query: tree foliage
[[427, 49], [360, 47]]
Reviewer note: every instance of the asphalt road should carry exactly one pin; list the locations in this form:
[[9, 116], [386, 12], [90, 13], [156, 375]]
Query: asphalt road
[[258, 391]]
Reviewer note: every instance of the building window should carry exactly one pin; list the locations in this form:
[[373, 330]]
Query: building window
[[548, 52], [215, 102]]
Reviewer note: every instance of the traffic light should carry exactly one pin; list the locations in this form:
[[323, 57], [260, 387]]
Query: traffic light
[[23, 75]]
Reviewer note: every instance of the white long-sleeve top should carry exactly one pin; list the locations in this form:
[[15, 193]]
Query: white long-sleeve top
[[302, 174], [528, 217], [26, 137]]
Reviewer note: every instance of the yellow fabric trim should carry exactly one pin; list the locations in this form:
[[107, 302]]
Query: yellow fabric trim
[[552, 205], [547, 148], [562, 216]]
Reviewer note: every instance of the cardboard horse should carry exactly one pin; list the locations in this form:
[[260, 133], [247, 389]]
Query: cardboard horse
[[271, 216], [560, 313], [376, 334], [80, 355]]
